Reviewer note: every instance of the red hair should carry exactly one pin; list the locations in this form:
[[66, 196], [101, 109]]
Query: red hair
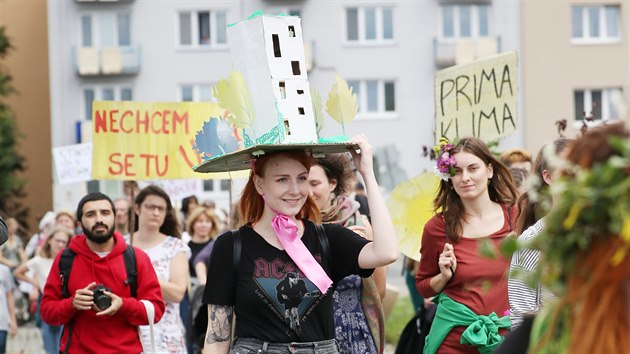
[[252, 204]]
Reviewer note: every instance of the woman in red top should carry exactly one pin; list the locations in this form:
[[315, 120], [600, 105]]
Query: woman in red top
[[476, 198]]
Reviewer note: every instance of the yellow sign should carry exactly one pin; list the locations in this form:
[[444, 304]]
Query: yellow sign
[[148, 141], [477, 99]]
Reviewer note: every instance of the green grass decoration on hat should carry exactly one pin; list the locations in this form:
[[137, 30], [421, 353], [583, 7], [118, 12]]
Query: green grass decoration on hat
[[342, 103]]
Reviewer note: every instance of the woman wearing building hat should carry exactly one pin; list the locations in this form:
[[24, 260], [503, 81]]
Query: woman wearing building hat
[[280, 238]]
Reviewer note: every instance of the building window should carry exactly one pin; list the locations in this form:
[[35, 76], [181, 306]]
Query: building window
[[369, 24], [196, 93], [199, 29], [209, 185], [465, 21], [103, 93], [375, 97], [598, 104], [105, 29], [595, 23]]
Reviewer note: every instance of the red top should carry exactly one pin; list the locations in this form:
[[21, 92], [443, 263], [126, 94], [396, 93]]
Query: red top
[[102, 334], [479, 283]]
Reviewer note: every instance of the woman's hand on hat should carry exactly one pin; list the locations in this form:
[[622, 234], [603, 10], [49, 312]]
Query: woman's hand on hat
[[362, 159]]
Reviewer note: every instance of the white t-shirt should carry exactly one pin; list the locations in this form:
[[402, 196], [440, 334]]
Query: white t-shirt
[[6, 284], [41, 266]]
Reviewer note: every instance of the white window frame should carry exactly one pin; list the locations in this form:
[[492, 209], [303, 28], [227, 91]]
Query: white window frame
[[603, 37], [194, 30], [98, 94], [607, 97], [474, 22], [380, 113], [96, 32], [362, 41], [196, 92]]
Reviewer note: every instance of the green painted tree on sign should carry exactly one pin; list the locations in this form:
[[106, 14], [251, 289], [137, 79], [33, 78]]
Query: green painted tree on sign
[[11, 163]]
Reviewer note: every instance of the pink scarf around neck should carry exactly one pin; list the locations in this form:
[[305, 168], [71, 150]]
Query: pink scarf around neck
[[287, 231]]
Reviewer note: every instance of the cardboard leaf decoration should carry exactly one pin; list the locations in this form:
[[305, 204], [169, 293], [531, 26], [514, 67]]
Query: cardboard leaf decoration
[[342, 103], [233, 96], [317, 110], [216, 138]]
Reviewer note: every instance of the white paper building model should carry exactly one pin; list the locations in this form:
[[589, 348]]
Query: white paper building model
[[269, 52]]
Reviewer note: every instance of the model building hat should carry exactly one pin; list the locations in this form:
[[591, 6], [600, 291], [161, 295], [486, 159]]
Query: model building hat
[[268, 101]]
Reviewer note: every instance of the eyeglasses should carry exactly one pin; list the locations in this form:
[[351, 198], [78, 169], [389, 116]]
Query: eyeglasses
[[152, 207]]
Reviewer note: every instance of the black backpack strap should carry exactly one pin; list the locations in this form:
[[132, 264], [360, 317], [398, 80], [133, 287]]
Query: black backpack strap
[[65, 264], [68, 340], [236, 256], [132, 273], [323, 242]]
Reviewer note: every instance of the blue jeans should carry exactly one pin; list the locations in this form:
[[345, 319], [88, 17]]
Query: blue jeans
[[3, 341], [251, 346], [51, 336]]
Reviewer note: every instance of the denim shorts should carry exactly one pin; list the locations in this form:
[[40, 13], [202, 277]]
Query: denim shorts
[[257, 346]]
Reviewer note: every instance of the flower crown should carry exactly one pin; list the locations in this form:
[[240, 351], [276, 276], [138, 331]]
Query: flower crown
[[444, 161], [593, 204]]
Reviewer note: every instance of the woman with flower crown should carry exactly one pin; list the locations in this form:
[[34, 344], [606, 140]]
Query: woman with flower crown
[[474, 207], [585, 253], [278, 281]]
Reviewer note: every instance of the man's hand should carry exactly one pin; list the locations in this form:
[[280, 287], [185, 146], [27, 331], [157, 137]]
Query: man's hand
[[84, 298], [114, 307]]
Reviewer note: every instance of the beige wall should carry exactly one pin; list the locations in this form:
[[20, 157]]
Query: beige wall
[[553, 67], [26, 25]]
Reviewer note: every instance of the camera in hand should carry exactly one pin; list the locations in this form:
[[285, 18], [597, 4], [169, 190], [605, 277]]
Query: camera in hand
[[102, 300]]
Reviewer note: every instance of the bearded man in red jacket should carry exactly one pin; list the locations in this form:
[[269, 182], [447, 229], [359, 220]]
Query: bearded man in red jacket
[[99, 260]]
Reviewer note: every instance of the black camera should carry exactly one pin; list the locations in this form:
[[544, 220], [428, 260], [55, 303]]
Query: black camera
[[101, 300]]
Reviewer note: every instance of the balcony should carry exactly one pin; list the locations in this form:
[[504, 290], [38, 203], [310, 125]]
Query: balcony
[[454, 51], [90, 61]]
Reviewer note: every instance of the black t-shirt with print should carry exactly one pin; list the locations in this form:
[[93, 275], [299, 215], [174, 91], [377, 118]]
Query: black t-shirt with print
[[273, 300]]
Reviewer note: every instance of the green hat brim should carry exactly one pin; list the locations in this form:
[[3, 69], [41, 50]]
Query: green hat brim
[[240, 160]]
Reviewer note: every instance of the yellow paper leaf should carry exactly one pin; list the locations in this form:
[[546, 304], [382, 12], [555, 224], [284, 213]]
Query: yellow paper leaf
[[233, 96], [317, 110], [342, 102]]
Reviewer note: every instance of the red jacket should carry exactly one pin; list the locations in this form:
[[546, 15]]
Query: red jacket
[[102, 334]]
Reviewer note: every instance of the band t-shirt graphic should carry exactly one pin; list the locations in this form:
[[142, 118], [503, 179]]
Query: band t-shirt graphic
[[274, 301]]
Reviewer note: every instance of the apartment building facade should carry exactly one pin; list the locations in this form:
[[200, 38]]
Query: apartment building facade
[[575, 57], [388, 51]]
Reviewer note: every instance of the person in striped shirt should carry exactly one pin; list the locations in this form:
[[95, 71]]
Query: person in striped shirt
[[532, 205]]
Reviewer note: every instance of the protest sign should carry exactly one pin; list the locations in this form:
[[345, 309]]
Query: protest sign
[[73, 163], [148, 141], [477, 99]]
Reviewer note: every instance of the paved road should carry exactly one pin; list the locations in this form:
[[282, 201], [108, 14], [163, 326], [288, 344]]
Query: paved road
[[27, 340]]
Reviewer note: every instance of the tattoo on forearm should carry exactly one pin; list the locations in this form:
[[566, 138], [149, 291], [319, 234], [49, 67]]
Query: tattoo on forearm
[[219, 323]]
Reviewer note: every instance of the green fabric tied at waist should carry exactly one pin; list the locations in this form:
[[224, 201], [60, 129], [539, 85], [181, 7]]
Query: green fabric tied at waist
[[481, 331]]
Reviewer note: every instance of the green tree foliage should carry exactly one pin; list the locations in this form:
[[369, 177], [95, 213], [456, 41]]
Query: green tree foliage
[[11, 163]]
